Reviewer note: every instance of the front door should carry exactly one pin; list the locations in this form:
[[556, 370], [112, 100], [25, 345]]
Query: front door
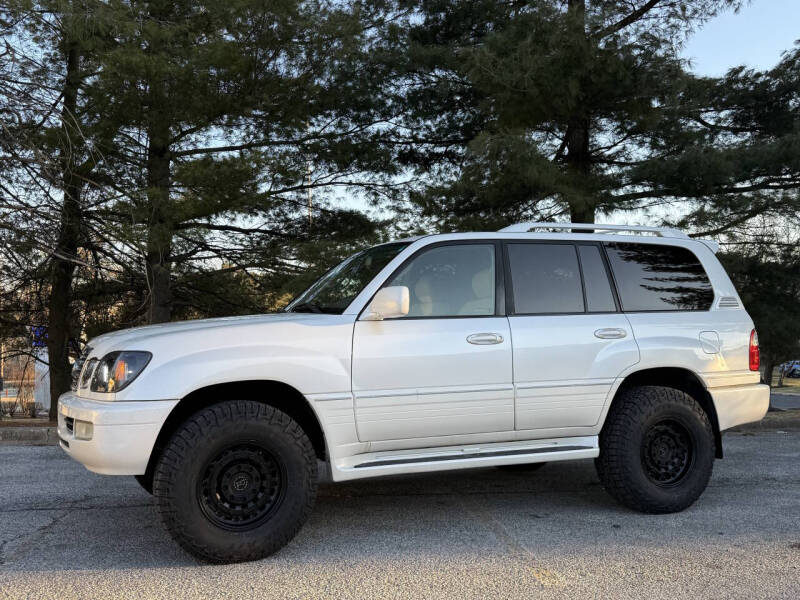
[[570, 340], [445, 369]]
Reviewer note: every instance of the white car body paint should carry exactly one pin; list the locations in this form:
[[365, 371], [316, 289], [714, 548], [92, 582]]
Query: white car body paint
[[398, 396], [421, 378], [562, 371]]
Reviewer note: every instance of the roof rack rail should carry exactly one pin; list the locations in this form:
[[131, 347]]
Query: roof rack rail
[[664, 232]]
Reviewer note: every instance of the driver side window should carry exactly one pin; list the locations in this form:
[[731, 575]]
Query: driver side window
[[450, 281]]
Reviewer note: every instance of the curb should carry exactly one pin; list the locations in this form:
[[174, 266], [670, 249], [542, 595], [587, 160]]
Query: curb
[[28, 436]]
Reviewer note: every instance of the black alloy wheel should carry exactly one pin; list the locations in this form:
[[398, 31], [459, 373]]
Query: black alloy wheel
[[241, 487], [667, 452]]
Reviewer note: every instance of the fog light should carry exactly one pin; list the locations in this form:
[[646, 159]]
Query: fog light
[[83, 430]]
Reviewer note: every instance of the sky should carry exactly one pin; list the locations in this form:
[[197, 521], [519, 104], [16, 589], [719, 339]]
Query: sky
[[755, 36]]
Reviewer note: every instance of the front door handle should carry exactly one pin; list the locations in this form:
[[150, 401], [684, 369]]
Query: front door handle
[[482, 339], [610, 333]]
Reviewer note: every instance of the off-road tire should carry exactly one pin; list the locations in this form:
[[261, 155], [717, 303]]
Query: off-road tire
[[628, 450], [179, 484]]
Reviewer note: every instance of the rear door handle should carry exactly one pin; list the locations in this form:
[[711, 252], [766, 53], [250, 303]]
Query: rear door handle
[[610, 333], [483, 339]]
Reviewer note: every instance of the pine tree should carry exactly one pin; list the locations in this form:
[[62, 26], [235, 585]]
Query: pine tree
[[224, 108], [543, 109], [766, 279], [741, 159]]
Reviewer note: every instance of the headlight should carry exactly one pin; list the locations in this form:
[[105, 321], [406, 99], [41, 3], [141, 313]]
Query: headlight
[[117, 369], [77, 366], [87, 373]]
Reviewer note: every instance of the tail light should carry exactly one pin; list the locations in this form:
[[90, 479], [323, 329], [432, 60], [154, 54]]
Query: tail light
[[755, 357]]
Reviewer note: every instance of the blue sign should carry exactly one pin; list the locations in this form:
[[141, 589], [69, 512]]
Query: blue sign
[[39, 336]]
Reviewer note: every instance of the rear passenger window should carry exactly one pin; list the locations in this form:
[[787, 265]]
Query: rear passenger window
[[545, 278], [655, 277], [599, 297]]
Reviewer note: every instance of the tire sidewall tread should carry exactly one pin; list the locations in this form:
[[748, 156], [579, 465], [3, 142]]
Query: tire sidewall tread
[[619, 464], [195, 442]]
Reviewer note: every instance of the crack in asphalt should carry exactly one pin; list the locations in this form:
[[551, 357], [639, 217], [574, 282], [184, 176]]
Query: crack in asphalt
[[72, 507], [32, 537], [543, 576]]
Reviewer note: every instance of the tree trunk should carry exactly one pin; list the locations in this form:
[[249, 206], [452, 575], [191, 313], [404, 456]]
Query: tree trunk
[[62, 266], [769, 365], [579, 165], [581, 210], [160, 221], [160, 230], [578, 156]]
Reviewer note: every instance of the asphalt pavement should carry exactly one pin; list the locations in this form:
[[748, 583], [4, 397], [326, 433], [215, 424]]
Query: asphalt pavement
[[784, 401], [67, 533]]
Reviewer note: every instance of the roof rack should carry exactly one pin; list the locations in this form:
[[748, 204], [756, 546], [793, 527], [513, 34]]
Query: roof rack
[[664, 232]]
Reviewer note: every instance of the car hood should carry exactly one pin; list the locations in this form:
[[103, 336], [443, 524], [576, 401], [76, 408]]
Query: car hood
[[141, 338]]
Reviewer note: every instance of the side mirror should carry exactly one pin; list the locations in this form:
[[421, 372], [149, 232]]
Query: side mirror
[[389, 303]]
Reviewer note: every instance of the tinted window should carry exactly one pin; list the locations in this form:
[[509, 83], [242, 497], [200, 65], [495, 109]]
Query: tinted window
[[545, 278], [653, 277], [599, 297], [450, 281]]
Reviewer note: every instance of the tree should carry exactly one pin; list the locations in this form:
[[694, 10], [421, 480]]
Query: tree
[[48, 153], [536, 110], [745, 164], [165, 155], [230, 114], [768, 284]]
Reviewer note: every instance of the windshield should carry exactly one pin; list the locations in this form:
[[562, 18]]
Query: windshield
[[334, 291]]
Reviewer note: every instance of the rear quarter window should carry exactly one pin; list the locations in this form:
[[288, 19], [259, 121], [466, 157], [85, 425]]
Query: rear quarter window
[[599, 297], [653, 277]]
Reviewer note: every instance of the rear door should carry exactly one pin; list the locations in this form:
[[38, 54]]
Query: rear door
[[570, 341]]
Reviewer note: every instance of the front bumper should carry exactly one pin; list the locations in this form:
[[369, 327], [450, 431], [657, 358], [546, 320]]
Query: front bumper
[[738, 404], [123, 432]]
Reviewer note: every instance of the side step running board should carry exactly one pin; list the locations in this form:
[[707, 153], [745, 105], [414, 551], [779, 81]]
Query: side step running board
[[467, 456], [470, 456]]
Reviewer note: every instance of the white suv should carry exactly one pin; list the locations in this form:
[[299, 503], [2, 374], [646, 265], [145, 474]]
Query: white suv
[[625, 344]]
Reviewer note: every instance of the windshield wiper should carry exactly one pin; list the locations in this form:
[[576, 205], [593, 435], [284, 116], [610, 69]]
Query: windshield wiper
[[309, 307]]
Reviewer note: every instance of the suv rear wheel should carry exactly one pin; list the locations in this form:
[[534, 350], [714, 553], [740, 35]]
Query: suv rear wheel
[[236, 482], [656, 450]]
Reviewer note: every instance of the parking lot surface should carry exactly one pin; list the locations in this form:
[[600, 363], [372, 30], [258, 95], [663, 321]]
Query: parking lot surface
[[785, 401], [67, 533]]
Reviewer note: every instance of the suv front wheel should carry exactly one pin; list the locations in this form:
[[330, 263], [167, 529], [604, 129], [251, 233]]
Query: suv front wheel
[[656, 450], [236, 481]]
